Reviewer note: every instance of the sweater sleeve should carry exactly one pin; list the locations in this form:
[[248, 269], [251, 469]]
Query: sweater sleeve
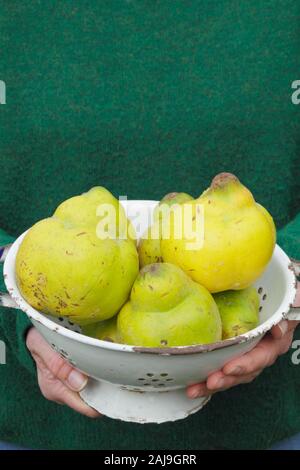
[[14, 324], [289, 238]]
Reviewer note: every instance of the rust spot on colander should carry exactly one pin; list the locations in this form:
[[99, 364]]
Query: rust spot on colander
[[198, 348], [294, 266], [291, 267]]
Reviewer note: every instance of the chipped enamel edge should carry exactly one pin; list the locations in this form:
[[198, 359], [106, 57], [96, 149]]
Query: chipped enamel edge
[[281, 313]]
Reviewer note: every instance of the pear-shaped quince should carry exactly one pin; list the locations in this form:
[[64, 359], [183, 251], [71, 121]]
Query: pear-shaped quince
[[105, 330], [239, 310], [237, 240], [166, 308], [73, 265], [149, 244]]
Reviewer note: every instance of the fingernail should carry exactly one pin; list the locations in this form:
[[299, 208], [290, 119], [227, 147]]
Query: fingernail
[[283, 326], [197, 392], [235, 371], [77, 381], [219, 383], [194, 394]]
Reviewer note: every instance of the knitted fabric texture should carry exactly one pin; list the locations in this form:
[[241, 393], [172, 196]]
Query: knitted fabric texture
[[145, 98]]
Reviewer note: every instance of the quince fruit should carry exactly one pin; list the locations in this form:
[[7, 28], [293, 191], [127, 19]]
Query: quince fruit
[[79, 263], [149, 244], [166, 308], [105, 330], [237, 242], [239, 310]]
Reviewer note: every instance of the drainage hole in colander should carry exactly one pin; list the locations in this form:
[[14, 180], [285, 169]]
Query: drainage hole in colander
[[260, 308], [260, 289], [157, 379], [60, 318], [264, 296]]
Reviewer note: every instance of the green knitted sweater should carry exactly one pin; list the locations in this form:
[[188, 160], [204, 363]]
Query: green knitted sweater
[[147, 97]]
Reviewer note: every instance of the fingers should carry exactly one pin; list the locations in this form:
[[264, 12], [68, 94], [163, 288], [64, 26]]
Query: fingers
[[218, 382], [263, 355], [278, 331], [222, 382], [266, 352], [245, 368], [285, 326], [54, 390], [73, 400], [260, 357], [57, 379], [60, 368]]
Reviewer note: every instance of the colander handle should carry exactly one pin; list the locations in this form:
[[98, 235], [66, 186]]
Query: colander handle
[[3, 252], [294, 313], [5, 299]]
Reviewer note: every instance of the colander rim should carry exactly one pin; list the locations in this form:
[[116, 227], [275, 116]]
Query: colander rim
[[35, 315]]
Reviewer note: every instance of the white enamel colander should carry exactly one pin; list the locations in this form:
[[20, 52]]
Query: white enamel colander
[[147, 385]]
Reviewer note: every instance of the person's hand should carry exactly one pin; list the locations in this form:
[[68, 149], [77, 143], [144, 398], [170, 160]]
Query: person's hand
[[57, 379], [247, 367]]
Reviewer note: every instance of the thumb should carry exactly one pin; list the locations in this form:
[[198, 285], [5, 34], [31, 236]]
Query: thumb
[[58, 366], [279, 330]]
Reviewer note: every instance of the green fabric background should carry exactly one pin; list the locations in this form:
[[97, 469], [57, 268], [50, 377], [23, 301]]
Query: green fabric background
[[146, 97]]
